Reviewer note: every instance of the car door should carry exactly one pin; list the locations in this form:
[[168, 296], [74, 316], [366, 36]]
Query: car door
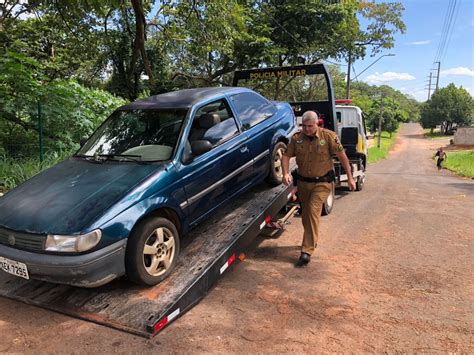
[[210, 178], [255, 113]]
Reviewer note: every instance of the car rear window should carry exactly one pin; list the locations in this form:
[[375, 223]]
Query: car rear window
[[252, 108]]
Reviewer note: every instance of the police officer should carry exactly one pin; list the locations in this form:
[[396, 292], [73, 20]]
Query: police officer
[[313, 149]]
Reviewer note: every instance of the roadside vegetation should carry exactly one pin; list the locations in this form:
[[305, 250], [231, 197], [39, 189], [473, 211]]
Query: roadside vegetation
[[461, 162], [449, 107], [64, 66], [387, 140], [14, 172], [434, 133]]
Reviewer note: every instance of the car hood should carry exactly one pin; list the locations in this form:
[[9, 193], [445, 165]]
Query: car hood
[[70, 196]]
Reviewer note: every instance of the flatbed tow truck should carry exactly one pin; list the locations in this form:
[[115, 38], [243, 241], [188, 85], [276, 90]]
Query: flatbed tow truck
[[207, 252]]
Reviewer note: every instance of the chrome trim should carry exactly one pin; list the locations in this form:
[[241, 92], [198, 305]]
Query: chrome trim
[[260, 156], [222, 181]]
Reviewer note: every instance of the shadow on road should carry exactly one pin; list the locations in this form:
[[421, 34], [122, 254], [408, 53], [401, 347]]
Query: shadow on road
[[413, 136], [469, 186]]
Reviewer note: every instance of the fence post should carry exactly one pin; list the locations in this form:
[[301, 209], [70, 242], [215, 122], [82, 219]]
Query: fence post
[[40, 133]]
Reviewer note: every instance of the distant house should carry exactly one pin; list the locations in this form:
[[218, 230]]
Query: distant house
[[464, 136]]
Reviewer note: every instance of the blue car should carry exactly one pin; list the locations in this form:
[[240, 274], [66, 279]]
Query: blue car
[[150, 173]]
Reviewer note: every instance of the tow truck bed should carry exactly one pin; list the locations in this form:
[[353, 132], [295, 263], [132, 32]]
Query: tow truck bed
[[206, 253]]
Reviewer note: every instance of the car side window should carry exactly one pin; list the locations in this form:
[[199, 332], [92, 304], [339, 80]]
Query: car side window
[[213, 122], [252, 108]]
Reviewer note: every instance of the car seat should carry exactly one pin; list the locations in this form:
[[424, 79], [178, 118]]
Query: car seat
[[205, 121]]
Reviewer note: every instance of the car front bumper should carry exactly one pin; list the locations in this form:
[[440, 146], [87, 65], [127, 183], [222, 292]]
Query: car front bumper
[[89, 270]]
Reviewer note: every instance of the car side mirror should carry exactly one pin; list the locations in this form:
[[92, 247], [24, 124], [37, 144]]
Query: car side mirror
[[200, 147]]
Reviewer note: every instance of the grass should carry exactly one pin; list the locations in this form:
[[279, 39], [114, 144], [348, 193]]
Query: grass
[[375, 154], [13, 172], [461, 162]]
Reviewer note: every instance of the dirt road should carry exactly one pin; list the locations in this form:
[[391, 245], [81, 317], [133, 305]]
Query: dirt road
[[394, 272]]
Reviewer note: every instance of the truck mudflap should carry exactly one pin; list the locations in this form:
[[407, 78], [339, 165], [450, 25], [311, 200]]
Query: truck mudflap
[[207, 253]]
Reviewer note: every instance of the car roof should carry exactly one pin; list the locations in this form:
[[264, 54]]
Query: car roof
[[181, 98]]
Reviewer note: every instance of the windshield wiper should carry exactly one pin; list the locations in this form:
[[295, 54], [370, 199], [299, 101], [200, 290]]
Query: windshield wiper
[[128, 157], [90, 158]]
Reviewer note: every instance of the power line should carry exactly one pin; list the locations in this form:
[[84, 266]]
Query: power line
[[456, 13], [444, 30], [448, 27]]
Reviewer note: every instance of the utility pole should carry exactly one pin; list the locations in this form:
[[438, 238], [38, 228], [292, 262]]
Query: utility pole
[[437, 76], [348, 84], [429, 86]]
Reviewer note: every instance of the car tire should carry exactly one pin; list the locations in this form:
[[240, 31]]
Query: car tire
[[329, 203], [152, 251], [275, 175], [360, 183]]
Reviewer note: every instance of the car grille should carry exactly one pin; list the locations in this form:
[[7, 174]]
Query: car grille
[[25, 241]]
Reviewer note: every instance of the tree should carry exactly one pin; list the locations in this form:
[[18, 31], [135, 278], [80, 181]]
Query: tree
[[70, 111], [383, 19], [448, 106]]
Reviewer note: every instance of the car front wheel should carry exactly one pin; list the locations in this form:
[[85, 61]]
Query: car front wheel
[[152, 251]]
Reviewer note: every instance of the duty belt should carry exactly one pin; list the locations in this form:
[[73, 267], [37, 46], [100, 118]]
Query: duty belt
[[329, 177]]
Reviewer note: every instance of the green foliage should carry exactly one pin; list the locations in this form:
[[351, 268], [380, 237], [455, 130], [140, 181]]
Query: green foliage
[[448, 106], [13, 172], [383, 101], [387, 140], [462, 163], [69, 110]]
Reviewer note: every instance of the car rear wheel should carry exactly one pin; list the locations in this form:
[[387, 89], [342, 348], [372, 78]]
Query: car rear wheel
[[275, 175], [327, 206], [360, 183], [152, 251]]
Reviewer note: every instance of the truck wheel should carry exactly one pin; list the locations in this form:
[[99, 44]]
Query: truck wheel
[[275, 175], [360, 183], [327, 206], [152, 251]]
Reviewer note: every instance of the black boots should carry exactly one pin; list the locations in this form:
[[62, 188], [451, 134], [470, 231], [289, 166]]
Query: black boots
[[303, 260]]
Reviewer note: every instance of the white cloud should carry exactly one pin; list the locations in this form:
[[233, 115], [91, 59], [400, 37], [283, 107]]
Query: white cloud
[[458, 71], [420, 43], [419, 94], [378, 78]]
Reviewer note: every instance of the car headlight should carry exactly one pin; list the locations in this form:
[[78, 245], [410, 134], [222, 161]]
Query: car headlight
[[73, 243]]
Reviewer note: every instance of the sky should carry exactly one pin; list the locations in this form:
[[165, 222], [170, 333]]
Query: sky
[[415, 50]]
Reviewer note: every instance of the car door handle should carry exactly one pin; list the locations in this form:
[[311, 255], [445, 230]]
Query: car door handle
[[244, 148]]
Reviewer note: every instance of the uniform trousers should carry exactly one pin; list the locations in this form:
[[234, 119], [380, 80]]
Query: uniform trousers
[[312, 197]]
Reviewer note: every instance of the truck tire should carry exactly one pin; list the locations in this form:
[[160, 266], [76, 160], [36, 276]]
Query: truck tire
[[275, 175], [328, 205], [152, 251]]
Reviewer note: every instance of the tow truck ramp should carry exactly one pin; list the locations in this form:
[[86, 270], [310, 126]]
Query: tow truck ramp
[[206, 254]]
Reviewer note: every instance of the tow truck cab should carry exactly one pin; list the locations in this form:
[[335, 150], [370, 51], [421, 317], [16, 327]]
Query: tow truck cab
[[350, 117], [309, 87]]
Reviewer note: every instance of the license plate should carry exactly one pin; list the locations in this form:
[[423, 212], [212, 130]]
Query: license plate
[[14, 267]]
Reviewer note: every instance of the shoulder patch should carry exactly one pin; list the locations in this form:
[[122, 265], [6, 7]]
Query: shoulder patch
[[297, 137]]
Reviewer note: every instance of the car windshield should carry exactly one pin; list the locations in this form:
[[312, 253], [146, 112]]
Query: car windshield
[[138, 135]]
